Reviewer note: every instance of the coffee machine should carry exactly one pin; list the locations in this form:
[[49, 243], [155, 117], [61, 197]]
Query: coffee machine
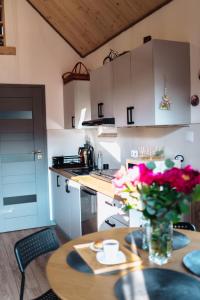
[[86, 154]]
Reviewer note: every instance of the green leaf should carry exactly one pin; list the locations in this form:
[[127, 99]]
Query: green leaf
[[196, 193], [151, 202], [128, 207], [151, 165], [169, 163], [184, 207], [161, 212], [150, 210], [172, 216]]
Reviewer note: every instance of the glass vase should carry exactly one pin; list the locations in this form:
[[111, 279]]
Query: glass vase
[[145, 233], [160, 241]]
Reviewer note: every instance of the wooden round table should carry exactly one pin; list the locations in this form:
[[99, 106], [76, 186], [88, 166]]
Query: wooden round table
[[70, 284]]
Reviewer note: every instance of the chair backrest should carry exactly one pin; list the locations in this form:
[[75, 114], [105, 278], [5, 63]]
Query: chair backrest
[[184, 225], [34, 245]]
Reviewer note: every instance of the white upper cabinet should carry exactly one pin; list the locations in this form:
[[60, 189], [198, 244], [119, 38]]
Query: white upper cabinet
[[160, 70], [172, 71], [77, 106], [148, 76], [101, 90], [122, 89]]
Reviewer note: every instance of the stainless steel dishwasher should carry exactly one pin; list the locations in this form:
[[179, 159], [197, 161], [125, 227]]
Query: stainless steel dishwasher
[[88, 210]]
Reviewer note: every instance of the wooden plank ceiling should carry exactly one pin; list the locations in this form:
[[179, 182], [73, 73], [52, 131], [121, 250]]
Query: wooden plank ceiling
[[88, 24]]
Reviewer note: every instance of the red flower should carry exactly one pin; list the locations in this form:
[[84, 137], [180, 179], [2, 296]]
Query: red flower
[[183, 180]]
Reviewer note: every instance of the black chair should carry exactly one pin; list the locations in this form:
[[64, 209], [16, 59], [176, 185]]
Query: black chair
[[184, 225], [29, 248]]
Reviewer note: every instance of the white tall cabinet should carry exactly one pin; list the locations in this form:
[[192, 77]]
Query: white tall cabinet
[[77, 106]]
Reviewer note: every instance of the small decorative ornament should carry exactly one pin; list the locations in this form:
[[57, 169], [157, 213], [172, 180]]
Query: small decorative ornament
[[194, 100], [165, 103]]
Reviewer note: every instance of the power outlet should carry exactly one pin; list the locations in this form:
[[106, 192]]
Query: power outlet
[[134, 153], [189, 137]]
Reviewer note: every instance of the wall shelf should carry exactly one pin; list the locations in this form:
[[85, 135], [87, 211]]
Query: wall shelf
[[4, 50]]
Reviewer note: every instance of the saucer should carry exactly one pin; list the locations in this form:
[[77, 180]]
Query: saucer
[[93, 248], [119, 259]]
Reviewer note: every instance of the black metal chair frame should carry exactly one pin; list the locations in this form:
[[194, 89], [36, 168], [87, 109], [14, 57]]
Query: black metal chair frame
[[31, 247], [185, 225]]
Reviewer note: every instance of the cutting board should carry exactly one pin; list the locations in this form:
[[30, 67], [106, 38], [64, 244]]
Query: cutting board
[[89, 256]]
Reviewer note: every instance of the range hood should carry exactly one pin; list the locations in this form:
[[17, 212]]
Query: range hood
[[101, 121]]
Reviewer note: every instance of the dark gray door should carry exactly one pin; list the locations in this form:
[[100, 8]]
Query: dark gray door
[[23, 159]]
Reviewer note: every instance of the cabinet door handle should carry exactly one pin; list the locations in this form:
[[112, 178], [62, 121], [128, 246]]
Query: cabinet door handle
[[73, 122], [100, 110], [130, 115], [67, 186], [110, 224], [108, 203], [57, 181]]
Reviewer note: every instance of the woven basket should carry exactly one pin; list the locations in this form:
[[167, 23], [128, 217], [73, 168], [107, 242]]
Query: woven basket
[[79, 72]]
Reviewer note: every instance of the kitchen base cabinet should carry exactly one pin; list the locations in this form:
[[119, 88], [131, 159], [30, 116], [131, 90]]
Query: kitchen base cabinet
[[110, 213], [58, 208], [111, 223], [75, 209], [66, 205], [135, 218]]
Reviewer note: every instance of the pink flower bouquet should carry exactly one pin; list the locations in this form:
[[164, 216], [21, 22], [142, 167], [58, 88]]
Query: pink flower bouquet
[[163, 195]]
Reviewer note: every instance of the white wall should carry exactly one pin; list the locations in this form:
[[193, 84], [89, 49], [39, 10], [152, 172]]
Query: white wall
[[178, 21], [64, 142], [174, 140], [42, 57]]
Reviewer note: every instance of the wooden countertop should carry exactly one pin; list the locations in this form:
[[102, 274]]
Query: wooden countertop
[[98, 185]]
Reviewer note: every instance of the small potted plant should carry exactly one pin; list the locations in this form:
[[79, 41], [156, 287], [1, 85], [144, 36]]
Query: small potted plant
[[162, 198]]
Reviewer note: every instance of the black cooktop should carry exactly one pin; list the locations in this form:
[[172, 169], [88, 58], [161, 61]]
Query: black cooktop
[[81, 171]]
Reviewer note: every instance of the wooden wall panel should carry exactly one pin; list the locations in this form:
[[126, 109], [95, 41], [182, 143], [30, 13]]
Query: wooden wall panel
[[88, 24]]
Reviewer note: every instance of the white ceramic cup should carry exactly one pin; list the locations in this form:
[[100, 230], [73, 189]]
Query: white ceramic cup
[[110, 248]]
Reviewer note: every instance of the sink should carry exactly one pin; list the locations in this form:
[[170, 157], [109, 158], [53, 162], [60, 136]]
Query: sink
[[81, 171]]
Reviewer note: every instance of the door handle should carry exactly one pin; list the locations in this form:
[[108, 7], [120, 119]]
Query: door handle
[[110, 224], [100, 110], [38, 153], [73, 121], [67, 186], [108, 203], [57, 181], [130, 115]]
